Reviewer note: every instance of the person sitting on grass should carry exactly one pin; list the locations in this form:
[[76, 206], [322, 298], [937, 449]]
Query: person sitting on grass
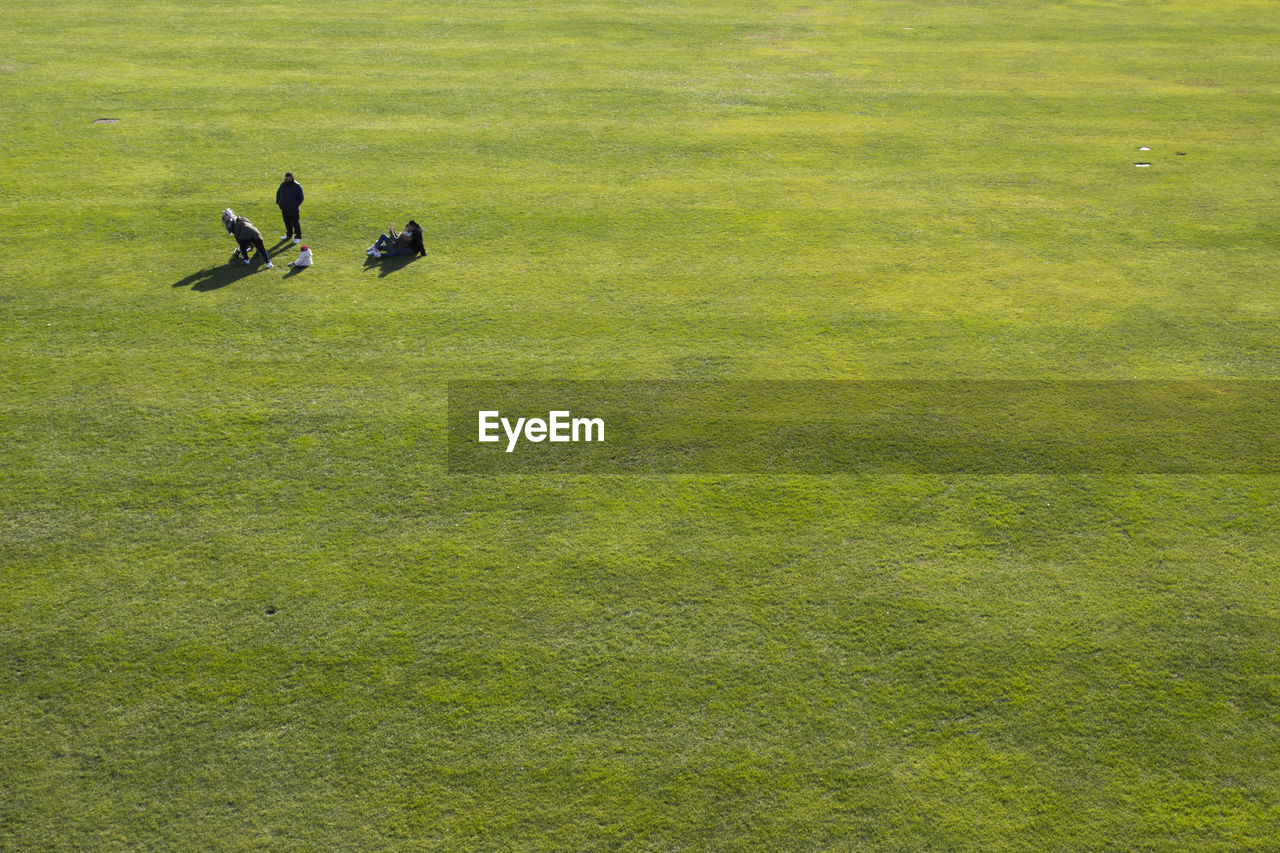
[[304, 259], [407, 242]]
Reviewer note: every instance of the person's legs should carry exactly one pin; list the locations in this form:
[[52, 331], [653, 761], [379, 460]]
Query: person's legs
[[244, 249], [262, 251], [382, 243], [292, 224]]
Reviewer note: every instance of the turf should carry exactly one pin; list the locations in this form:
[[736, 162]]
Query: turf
[[246, 605]]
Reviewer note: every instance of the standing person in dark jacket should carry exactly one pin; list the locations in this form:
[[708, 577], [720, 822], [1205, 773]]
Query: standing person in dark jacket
[[246, 235], [289, 198]]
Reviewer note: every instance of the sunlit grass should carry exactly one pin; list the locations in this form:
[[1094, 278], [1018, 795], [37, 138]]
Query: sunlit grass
[[245, 605]]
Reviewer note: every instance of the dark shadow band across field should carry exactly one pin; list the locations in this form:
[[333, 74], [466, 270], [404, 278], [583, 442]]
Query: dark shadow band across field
[[986, 427]]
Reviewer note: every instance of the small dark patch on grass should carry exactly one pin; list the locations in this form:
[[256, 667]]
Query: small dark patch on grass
[[105, 120], [701, 366], [271, 611]]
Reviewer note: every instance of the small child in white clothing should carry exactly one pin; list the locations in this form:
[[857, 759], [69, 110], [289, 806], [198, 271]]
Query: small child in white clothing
[[304, 258]]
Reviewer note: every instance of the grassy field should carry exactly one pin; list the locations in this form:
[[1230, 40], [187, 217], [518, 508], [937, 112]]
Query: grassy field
[[245, 605]]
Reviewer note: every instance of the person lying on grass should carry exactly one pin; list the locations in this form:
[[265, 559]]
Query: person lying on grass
[[407, 242]]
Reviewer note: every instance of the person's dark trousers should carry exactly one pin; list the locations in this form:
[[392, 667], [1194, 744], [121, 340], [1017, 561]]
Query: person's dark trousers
[[292, 222], [255, 243]]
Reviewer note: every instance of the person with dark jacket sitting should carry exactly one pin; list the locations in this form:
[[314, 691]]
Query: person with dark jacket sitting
[[289, 199], [407, 242]]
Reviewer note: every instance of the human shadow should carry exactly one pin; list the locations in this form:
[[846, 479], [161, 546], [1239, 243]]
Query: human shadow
[[388, 265], [219, 276], [294, 270]]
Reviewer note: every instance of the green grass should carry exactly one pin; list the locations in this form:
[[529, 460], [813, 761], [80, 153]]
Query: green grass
[[245, 606]]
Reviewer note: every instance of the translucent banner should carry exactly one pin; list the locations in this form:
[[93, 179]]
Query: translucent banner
[[873, 426]]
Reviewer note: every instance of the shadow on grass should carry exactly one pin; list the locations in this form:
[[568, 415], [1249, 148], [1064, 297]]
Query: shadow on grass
[[386, 266], [221, 275], [216, 277], [294, 271]]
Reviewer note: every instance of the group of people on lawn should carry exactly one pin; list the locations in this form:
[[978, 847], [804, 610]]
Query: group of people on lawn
[[289, 199]]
